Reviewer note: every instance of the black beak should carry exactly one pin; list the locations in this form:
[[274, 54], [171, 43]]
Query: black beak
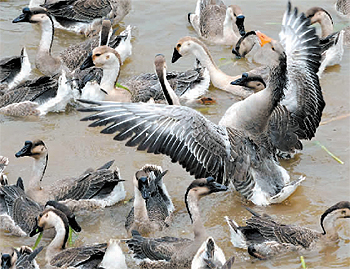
[[160, 176], [214, 186], [87, 63], [236, 53], [24, 17], [241, 81], [25, 151], [144, 188], [240, 24], [176, 56], [36, 230], [5, 261]]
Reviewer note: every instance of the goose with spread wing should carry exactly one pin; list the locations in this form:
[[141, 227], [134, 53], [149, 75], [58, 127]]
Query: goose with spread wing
[[242, 148]]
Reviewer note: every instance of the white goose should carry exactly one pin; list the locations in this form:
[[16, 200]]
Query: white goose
[[84, 17], [216, 23], [243, 149]]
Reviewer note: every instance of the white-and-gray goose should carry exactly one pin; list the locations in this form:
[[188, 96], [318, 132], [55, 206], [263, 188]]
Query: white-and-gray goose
[[241, 150], [14, 70], [94, 188], [265, 237], [217, 24]]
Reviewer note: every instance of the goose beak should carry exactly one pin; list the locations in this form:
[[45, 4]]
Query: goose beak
[[236, 53], [6, 261], [24, 17], [25, 151], [214, 186], [241, 81], [240, 24], [176, 56], [144, 188], [264, 39], [87, 63], [36, 230]]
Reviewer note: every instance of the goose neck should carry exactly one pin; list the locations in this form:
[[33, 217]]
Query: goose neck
[[47, 32], [169, 93], [59, 241], [140, 209], [326, 25], [109, 78], [192, 202], [228, 29], [39, 168], [329, 226]]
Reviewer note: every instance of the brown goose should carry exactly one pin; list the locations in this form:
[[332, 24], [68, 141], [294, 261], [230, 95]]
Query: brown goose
[[171, 252], [216, 23], [94, 188], [242, 148], [265, 237], [152, 204]]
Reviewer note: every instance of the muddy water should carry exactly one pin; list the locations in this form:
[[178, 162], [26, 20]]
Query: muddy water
[[73, 147]]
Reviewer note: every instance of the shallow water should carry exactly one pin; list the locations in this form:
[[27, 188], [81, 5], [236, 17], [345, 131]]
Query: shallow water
[[73, 147]]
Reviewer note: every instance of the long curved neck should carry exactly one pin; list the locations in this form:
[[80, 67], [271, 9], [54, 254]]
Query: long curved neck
[[47, 32], [169, 93], [57, 244], [140, 210], [326, 25], [110, 77], [329, 226], [39, 168], [228, 29], [218, 78], [193, 210]]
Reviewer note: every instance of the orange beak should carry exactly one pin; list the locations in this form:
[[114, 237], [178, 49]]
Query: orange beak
[[264, 39]]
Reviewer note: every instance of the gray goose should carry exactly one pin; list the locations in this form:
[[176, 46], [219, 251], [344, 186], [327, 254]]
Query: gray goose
[[264, 237], [94, 188], [216, 23], [85, 17], [14, 70], [22, 258], [343, 7], [72, 57], [18, 210], [56, 255], [332, 42], [172, 252], [152, 204], [242, 149]]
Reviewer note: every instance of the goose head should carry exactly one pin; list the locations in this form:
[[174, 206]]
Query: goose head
[[204, 186], [340, 210], [189, 45], [9, 259], [245, 44], [33, 15], [103, 57], [235, 12], [147, 182], [35, 149], [254, 82], [318, 14]]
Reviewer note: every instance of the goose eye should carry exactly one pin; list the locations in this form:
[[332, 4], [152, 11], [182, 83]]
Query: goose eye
[[343, 212], [273, 48], [178, 46], [98, 54]]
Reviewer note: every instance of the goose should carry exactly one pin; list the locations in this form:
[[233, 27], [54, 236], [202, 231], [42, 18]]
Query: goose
[[241, 149], [189, 85], [171, 252], [191, 45], [14, 70], [22, 258], [332, 42], [264, 237], [343, 7], [209, 255], [56, 254], [217, 24], [18, 210], [70, 58], [85, 17], [94, 188], [152, 204]]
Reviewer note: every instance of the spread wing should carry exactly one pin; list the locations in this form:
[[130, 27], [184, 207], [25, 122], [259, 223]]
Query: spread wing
[[79, 10], [182, 133], [9, 68], [303, 96]]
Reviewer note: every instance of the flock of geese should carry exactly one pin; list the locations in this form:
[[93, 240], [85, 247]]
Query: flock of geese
[[281, 104]]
